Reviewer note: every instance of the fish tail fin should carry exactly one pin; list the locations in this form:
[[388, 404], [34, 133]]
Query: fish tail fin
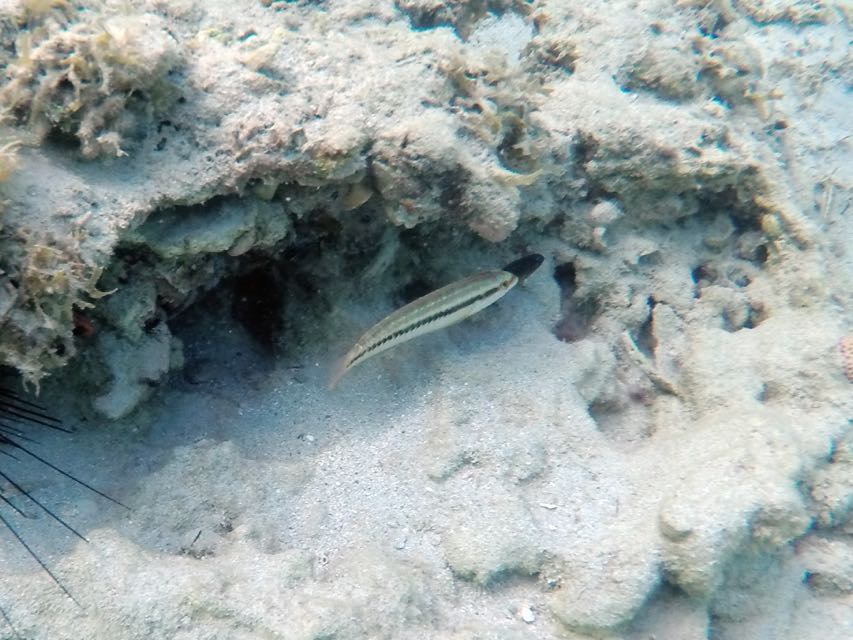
[[340, 368]]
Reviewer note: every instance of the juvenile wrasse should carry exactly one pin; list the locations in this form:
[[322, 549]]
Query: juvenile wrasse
[[437, 310]]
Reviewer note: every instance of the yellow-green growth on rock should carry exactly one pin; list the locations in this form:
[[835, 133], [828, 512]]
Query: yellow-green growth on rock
[[91, 78]]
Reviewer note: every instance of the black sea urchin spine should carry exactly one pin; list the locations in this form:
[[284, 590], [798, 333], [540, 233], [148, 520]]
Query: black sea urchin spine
[[18, 417]]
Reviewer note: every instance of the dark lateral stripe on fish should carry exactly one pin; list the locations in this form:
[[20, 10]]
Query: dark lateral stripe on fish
[[426, 321], [436, 310]]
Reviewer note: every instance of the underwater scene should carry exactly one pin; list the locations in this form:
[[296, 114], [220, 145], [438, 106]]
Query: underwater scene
[[410, 319]]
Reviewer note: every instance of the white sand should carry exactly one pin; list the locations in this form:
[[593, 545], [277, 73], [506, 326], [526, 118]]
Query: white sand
[[682, 471]]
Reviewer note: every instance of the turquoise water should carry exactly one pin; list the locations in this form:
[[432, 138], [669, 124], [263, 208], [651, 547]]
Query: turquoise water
[[205, 205]]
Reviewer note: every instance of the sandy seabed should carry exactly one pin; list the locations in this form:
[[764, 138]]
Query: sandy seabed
[[205, 203]]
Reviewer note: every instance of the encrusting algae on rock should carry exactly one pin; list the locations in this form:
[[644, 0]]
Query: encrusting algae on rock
[[90, 77]]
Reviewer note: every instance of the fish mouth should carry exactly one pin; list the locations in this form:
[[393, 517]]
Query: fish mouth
[[524, 267]]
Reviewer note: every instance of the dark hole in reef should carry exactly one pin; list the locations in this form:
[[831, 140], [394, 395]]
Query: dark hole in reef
[[65, 86], [138, 100], [755, 316], [257, 303], [702, 275], [510, 149], [151, 323], [697, 273], [451, 190], [584, 148], [718, 98], [713, 31], [62, 140], [327, 228], [167, 304], [128, 256], [644, 338], [576, 315], [81, 328], [322, 233], [761, 254], [566, 277], [716, 201], [745, 221]]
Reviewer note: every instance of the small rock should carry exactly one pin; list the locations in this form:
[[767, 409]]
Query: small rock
[[527, 614], [604, 213], [829, 566], [719, 232], [136, 368], [495, 540]]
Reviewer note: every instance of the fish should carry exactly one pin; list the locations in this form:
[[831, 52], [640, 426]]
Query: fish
[[436, 310]]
